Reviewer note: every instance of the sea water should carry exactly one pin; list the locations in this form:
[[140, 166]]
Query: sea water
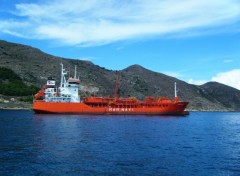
[[203, 143]]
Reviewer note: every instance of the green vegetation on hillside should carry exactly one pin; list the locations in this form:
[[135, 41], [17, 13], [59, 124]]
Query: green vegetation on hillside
[[11, 84]]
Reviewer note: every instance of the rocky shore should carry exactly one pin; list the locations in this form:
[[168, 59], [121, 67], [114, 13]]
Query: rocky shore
[[14, 103]]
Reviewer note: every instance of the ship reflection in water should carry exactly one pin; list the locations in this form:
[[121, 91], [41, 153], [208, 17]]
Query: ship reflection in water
[[199, 144]]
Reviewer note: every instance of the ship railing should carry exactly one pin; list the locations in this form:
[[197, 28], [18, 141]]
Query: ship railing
[[38, 100], [58, 99]]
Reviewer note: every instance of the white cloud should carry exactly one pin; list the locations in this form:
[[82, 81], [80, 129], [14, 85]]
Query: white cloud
[[197, 82], [231, 78], [97, 22]]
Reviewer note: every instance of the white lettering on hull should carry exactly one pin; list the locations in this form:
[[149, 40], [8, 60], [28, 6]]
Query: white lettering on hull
[[120, 109]]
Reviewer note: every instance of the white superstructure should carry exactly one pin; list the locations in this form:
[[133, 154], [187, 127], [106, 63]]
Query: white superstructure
[[67, 92]]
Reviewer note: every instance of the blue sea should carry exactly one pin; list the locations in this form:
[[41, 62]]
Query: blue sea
[[201, 144]]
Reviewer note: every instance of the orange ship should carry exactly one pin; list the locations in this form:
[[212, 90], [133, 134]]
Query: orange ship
[[66, 100]]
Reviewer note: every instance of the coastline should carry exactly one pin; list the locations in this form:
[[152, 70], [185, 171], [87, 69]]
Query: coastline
[[14, 108]]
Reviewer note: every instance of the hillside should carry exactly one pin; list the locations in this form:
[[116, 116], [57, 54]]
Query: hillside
[[34, 66], [228, 96]]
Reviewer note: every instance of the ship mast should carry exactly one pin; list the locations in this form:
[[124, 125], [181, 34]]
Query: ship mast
[[75, 75], [175, 89], [116, 87], [63, 79], [175, 92]]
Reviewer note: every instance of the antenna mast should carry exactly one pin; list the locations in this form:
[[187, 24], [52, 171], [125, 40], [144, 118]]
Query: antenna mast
[[116, 87], [61, 84]]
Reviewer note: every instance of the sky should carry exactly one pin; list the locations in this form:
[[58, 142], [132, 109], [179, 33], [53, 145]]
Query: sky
[[192, 40]]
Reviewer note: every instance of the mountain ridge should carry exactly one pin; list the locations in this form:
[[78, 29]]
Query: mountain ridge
[[34, 66]]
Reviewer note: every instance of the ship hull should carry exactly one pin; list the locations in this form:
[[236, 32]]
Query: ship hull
[[173, 108]]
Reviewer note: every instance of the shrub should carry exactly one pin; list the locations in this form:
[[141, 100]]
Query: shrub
[[14, 86]]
